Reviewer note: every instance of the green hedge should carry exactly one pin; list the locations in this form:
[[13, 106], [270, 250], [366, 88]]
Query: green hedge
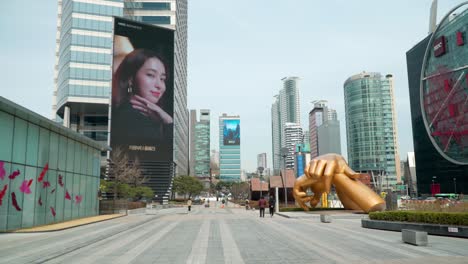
[[299, 209], [441, 218]]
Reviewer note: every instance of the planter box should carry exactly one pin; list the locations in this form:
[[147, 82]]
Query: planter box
[[431, 229]]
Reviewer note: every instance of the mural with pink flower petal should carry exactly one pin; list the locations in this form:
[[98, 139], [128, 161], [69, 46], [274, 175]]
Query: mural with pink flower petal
[[25, 186], [2, 170], [14, 202], [2, 193], [45, 184], [14, 174], [78, 199], [43, 172], [67, 196], [60, 180], [52, 210]]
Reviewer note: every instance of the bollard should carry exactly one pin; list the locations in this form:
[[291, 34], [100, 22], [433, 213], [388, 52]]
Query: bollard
[[324, 218], [414, 237]]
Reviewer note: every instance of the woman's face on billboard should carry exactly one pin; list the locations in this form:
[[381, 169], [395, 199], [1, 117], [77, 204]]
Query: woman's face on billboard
[[150, 80]]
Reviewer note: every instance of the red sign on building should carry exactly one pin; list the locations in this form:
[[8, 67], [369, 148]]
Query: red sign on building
[[439, 46]]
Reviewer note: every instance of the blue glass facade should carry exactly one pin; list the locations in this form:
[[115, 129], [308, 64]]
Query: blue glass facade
[[229, 155]]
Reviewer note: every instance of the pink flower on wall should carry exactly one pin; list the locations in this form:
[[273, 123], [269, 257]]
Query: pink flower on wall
[[52, 210], [60, 180], [45, 184], [14, 174], [14, 202], [24, 188], [67, 196], [78, 199], [2, 170], [41, 176], [3, 192]]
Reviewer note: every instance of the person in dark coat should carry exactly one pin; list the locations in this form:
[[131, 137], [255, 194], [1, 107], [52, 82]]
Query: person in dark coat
[[262, 204], [271, 205]]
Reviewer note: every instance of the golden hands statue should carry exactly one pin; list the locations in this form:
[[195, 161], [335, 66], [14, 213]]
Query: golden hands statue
[[331, 169]]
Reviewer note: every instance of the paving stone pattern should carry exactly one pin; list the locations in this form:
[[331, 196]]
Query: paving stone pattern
[[225, 235]]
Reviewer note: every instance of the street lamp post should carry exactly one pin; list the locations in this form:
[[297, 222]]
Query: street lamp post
[[284, 154]]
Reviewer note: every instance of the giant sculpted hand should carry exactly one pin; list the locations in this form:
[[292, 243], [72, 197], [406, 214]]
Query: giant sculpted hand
[[325, 170]]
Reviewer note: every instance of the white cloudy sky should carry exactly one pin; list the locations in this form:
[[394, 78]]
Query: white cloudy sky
[[238, 51]]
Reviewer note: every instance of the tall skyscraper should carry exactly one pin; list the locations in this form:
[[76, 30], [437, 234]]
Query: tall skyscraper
[[83, 64], [324, 135], [292, 136], [229, 148], [202, 144], [193, 123], [329, 139], [371, 125], [262, 160], [316, 118], [276, 135], [285, 109]]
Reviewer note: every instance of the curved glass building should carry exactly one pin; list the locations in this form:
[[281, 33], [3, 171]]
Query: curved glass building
[[371, 127]]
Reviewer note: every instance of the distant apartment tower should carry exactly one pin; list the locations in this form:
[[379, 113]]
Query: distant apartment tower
[[371, 125], [262, 160], [292, 137], [202, 144], [82, 76], [229, 148], [285, 109]]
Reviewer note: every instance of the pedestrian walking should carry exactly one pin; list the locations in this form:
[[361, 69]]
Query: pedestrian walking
[[271, 205], [262, 204], [189, 204], [247, 204]]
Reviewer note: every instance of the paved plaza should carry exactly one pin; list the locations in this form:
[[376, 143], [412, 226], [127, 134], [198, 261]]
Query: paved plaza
[[225, 235]]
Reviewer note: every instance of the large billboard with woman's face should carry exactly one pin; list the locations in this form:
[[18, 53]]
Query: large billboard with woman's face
[[231, 132], [142, 91]]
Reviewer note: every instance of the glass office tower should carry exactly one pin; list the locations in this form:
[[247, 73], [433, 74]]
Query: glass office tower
[[431, 166], [83, 64], [285, 108], [229, 148], [371, 126], [202, 144]]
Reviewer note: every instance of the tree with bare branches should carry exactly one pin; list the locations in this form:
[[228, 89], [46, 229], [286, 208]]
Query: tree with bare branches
[[125, 178]]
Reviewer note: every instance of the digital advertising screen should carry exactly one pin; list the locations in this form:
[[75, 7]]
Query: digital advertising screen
[[142, 108], [231, 132]]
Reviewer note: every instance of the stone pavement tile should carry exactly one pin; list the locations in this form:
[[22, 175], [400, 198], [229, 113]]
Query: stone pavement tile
[[68, 224], [422, 260]]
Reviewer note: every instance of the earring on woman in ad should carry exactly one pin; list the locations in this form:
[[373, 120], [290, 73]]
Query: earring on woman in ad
[[130, 88]]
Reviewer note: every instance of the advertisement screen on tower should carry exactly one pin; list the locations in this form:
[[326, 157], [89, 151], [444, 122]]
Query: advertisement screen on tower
[[231, 132], [142, 108]]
